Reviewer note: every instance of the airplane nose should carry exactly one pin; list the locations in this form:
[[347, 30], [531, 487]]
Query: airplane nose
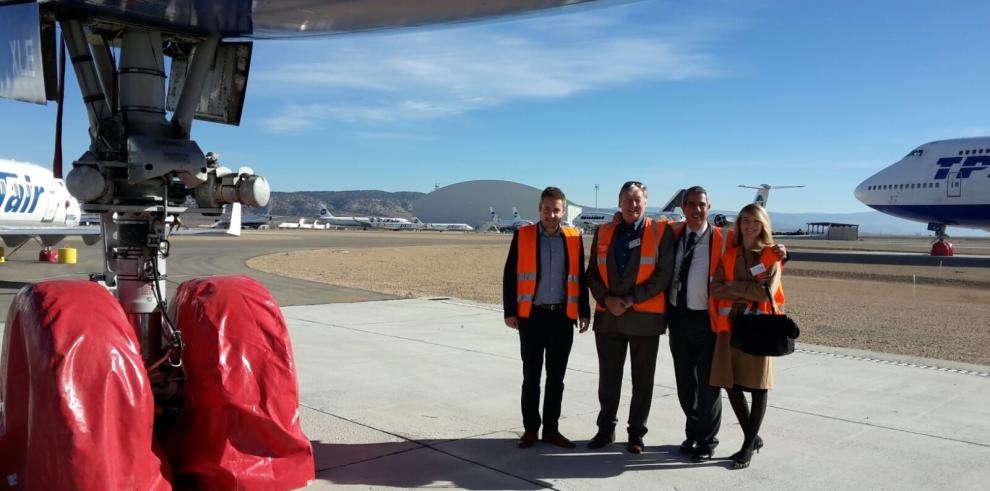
[[859, 192]]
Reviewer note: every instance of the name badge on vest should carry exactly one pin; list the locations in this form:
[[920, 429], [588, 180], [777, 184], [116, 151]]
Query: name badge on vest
[[758, 269], [635, 243]]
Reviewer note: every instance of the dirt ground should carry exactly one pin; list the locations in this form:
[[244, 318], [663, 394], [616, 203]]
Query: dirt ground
[[941, 313]]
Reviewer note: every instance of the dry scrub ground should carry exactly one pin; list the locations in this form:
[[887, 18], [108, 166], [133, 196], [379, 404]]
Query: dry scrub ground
[[929, 312]]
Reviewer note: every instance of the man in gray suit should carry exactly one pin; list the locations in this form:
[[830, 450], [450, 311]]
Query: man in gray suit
[[631, 267]]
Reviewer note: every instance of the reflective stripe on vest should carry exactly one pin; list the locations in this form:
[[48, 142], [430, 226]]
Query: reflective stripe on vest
[[648, 248], [723, 307], [526, 269]]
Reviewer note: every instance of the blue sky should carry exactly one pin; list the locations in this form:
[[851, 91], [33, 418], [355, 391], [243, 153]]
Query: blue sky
[[716, 93]]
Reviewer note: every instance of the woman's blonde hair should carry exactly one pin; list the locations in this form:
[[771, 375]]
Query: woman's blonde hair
[[757, 212]]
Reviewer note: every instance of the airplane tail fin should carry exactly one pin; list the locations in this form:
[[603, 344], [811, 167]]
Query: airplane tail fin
[[674, 202], [235, 220], [515, 213], [324, 211], [763, 192]]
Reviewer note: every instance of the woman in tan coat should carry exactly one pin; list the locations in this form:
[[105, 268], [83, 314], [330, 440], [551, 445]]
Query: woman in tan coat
[[732, 369]]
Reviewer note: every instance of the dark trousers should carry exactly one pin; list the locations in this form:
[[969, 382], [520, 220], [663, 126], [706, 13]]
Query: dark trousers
[[612, 349], [550, 332], [692, 345]]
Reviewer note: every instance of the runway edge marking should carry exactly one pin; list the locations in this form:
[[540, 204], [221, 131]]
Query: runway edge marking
[[894, 362]]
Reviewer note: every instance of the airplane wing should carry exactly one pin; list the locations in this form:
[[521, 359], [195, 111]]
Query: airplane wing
[[266, 19], [49, 236]]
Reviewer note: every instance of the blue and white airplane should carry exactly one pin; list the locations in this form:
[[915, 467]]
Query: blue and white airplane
[[33, 204], [941, 183]]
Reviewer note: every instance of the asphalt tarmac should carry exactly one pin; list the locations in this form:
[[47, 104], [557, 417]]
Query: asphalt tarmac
[[199, 256]]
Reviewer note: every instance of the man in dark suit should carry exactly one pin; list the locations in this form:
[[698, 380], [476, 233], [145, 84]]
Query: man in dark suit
[[632, 267], [544, 294]]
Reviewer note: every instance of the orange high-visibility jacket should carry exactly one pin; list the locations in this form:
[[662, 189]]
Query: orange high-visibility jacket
[[724, 307], [650, 245], [526, 269], [721, 237]]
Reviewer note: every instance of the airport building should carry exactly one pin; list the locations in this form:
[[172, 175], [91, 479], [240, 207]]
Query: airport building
[[470, 201]]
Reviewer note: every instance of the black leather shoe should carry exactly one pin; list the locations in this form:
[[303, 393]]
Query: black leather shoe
[[527, 440], [557, 439], [635, 445], [688, 446], [601, 439], [702, 454]]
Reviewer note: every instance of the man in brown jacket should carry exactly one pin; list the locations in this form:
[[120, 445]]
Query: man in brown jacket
[[631, 267]]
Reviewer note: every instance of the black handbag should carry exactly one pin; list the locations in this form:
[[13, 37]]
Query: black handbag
[[764, 335]]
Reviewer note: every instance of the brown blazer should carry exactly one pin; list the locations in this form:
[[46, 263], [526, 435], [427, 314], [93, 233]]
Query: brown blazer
[[632, 323]]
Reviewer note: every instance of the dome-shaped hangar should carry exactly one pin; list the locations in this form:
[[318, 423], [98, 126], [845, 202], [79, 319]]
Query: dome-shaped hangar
[[469, 202]]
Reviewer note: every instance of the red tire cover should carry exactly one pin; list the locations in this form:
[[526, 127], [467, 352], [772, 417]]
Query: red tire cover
[[239, 427], [78, 411]]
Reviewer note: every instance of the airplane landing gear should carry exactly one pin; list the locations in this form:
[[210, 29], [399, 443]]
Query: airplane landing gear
[[94, 375], [940, 246]]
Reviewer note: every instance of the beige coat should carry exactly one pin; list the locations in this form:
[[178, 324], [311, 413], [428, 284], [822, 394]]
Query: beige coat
[[731, 367]]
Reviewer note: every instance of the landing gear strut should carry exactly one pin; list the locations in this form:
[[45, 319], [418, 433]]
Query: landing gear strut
[[140, 169], [940, 246]]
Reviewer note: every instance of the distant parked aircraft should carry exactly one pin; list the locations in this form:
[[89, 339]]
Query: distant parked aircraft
[[500, 225]]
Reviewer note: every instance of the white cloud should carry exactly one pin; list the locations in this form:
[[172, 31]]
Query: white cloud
[[422, 75]]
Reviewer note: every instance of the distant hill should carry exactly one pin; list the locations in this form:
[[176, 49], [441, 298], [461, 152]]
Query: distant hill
[[342, 203]]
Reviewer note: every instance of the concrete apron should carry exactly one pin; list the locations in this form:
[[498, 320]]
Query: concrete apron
[[425, 393]]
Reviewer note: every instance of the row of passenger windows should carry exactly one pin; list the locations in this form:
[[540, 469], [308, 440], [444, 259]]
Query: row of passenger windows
[[922, 185], [974, 152]]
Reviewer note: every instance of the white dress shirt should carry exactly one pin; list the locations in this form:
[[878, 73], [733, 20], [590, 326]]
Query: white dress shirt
[[697, 281]]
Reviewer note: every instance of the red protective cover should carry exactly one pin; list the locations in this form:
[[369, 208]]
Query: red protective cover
[[239, 427], [78, 410]]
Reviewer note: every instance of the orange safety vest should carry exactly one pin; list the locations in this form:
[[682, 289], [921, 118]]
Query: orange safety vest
[[652, 231], [721, 237], [526, 269], [724, 307]]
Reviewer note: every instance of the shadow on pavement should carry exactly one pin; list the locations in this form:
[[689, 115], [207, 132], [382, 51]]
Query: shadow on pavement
[[486, 463]]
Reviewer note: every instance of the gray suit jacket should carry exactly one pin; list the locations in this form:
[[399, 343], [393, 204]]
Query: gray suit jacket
[[632, 323]]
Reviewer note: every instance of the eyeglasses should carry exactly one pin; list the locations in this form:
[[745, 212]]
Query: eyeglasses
[[629, 184]]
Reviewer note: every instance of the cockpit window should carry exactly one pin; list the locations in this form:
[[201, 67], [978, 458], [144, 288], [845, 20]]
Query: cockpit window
[[915, 153]]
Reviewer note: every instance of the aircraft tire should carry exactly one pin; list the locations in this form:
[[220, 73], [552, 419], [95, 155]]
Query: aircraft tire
[[239, 427], [78, 408]]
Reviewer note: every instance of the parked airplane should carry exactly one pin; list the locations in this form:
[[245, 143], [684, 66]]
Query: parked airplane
[[257, 222], [498, 225], [389, 223], [350, 222], [941, 183], [449, 227], [33, 204], [762, 195]]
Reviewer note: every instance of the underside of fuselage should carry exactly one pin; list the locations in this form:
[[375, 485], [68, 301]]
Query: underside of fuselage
[[976, 216]]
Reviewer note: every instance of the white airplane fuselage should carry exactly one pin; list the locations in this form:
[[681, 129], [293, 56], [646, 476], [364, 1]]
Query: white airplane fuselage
[[941, 183], [444, 227], [389, 223], [590, 220], [31, 197]]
